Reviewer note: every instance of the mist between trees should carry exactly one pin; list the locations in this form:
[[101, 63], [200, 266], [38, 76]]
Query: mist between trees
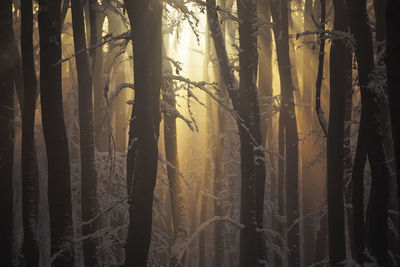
[[199, 133]]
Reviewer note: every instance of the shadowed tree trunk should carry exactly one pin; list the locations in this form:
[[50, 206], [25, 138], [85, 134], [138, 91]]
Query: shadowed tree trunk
[[90, 206], [340, 84], [392, 59], [145, 19], [288, 114], [59, 183], [377, 210], [252, 247], [30, 175], [6, 133]]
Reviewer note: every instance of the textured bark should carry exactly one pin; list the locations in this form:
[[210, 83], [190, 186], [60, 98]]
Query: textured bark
[[377, 210], [30, 175], [178, 211], [340, 83], [281, 34], [90, 206], [59, 183], [6, 134], [145, 19]]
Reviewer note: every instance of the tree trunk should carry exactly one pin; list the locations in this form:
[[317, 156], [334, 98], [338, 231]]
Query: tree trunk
[[30, 175], [392, 59], [59, 183], [377, 210], [281, 33], [6, 134], [175, 182], [90, 206], [252, 246], [340, 83], [145, 19]]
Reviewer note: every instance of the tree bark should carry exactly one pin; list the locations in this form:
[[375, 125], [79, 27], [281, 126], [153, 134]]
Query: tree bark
[[145, 19], [281, 34], [6, 134], [30, 175], [59, 183], [90, 206], [377, 210], [340, 83]]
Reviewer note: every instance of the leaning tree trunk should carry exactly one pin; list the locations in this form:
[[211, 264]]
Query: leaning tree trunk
[[30, 175], [377, 210], [145, 19], [90, 206], [288, 114], [6, 134], [59, 183], [340, 84]]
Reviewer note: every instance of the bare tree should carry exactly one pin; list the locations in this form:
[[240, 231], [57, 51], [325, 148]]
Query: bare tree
[[59, 183]]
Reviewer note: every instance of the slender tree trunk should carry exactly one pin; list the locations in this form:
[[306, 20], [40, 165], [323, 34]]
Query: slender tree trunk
[[59, 183], [145, 19], [377, 210], [252, 243], [392, 59], [175, 182], [30, 175], [6, 134], [281, 33], [340, 83], [90, 206]]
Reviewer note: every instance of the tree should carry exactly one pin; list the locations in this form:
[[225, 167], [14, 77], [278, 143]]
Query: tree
[[392, 58], [59, 183], [377, 210], [340, 84], [90, 206], [145, 21], [6, 133], [30, 175], [287, 118], [175, 181], [244, 100]]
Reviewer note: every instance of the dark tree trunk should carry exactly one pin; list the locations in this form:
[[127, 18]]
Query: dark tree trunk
[[175, 182], [6, 133], [340, 84], [90, 206], [358, 192], [252, 246], [377, 210], [145, 19], [30, 175], [392, 59], [59, 183], [281, 33]]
